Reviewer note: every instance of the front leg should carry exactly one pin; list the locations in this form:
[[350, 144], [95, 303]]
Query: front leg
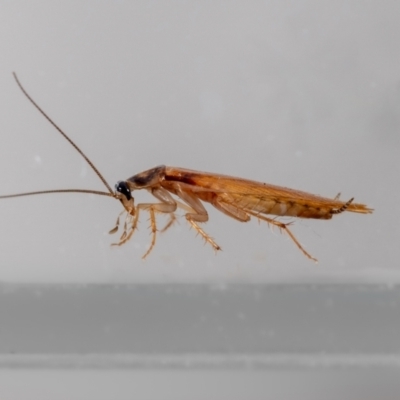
[[167, 205]]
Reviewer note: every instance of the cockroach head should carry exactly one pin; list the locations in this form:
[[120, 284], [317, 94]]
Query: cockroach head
[[123, 188]]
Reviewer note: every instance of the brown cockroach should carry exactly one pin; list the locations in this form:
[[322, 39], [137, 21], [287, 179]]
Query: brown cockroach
[[237, 198]]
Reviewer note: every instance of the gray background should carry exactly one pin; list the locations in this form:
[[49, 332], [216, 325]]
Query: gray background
[[300, 94]]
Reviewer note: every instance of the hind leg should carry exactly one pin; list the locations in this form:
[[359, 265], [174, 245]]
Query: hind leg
[[285, 228]]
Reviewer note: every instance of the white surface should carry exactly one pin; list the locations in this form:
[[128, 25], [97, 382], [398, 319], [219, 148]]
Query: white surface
[[304, 95]]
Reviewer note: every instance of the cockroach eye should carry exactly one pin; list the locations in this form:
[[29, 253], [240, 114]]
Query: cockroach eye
[[123, 188]]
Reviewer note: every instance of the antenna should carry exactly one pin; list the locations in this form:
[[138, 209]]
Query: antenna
[[110, 192]]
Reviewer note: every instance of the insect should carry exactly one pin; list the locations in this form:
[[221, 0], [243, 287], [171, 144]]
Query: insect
[[237, 198]]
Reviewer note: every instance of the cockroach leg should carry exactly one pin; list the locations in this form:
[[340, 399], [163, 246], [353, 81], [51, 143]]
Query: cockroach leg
[[123, 236], [197, 213], [168, 206], [152, 208], [205, 236], [128, 232], [172, 220], [115, 229], [285, 228], [231, 210], [153, 227]]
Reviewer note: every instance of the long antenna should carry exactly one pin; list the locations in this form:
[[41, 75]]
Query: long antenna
[[73, 145], [8, 196]]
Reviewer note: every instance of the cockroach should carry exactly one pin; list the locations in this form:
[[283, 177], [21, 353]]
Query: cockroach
[[237, 198]]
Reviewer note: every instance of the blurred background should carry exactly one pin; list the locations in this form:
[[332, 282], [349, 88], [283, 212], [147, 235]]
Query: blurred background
[[299, 94]]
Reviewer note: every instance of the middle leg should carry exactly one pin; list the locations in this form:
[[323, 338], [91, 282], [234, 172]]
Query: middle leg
[[196, 213]]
